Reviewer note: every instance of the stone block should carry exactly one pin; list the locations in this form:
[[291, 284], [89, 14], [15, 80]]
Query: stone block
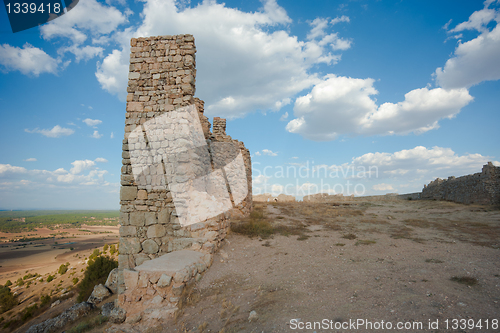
[[130, 245], [164, 216], [135, 106], [177, 289], [127, 231], [123, 261], [149, 246], [150, 218], [130, 278], [157, 300], [128, 193], [124, 218], [133, 76], [141, 258], [112, 281], [164, 281], [137, 219], [143, 280], [142, 195], [156, 231], [182, 243]]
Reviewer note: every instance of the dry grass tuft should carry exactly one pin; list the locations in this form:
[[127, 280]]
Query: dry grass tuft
[[467, 280]]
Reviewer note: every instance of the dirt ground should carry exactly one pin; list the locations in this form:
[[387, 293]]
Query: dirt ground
[[406, 263], [45, 256]]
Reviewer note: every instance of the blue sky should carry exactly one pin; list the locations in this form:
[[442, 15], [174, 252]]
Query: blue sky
[[406, 89]]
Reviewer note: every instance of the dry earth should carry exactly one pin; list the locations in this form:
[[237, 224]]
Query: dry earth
[[390, 261], [44, 257]]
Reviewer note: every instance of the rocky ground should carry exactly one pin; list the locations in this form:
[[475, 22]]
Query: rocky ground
[[401, 262]]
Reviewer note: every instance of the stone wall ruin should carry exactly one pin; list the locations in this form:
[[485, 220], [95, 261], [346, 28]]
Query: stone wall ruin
[[180, 182], [480, 188]]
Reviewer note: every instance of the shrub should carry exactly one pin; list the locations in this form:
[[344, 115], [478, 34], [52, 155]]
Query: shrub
[[50, 278], [28, 312], [97, 272], [94, 254], [75, 280], [112, 249], [63, 268], [20, 282], [7, 299], [45, 300], [8, 283], [105, 248]]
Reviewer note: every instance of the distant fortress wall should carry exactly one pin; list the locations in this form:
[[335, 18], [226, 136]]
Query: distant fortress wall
[[480, 188]]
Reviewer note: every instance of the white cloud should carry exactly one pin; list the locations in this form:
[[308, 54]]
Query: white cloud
[[257, 153], [336, 20], [96, 135], [101, 160], [56, 131], [27, 60], [112, 73], [420, 163], [92, 122], [269, 152], [277, 189], [476, 60], [383, 187], [89, 18], [112, 135], [266, 64], [284, 116], [260, 179], [80, 165], [343, 105], [86, 188], [31, 159], [82, 53], [9, 169]]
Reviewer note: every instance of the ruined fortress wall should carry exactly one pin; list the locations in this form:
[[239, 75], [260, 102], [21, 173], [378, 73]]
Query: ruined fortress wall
[[480, 188], [161, 80]]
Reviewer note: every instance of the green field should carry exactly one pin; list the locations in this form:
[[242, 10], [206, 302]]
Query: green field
[[51, 218]]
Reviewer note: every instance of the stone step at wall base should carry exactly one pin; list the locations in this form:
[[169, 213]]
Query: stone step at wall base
[[153, 290]]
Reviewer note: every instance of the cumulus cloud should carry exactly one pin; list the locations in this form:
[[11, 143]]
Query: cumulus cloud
[[22, 188], [284, 116], [80, 165], [245, 61], [31, 159], [89, 18], [344, 105], [92, 122], [27, 60], [56, 131], [96, 135], [419, 164], [260, 179], [269, 152], [383, 187], [112, 73], [82, 53], [475, 60], [101, 160]]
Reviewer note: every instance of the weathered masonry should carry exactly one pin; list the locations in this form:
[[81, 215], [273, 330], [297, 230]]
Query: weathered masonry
[[480, 188], [169, 168]]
